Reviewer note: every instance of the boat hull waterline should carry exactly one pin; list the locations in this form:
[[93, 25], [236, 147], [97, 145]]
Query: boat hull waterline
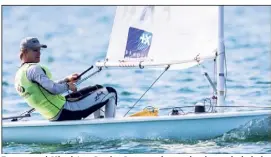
[[183, 127]]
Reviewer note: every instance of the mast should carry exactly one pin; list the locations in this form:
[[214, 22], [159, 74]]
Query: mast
[[220, 59]]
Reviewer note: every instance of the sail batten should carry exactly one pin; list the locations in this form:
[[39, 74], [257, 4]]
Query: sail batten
[[162, 35]]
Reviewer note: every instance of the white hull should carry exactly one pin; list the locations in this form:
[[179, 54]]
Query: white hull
[[193, 126]]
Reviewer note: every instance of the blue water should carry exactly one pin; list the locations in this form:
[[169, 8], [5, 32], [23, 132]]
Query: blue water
[[78, 36]]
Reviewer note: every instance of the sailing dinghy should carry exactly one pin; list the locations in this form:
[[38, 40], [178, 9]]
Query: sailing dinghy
[[153, 37]]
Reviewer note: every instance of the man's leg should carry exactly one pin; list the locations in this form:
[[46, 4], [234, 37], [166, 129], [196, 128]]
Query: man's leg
[[91, 103], [75, 96], [110, 107]]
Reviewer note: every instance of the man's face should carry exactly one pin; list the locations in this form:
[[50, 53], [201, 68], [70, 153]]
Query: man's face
[[33, 55]]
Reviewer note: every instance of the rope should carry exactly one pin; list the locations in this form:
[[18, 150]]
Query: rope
[[21, 116], [147, 90], [87, 77]]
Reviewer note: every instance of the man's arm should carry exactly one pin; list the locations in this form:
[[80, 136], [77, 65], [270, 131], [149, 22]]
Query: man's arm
[[65, 80], [36, 74]]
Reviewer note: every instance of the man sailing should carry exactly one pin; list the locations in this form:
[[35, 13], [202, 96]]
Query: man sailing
[[33, 83]]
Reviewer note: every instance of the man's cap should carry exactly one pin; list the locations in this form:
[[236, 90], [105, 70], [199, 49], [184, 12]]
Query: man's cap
[[31, 43]]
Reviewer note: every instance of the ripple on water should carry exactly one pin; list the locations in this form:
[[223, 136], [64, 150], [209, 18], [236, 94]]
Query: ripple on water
[[126, 93], [50, 59], [5, 83], [186, 90], [263, 82]]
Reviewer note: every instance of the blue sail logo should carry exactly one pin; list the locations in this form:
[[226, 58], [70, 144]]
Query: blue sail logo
[[138, 43], [145, 39]]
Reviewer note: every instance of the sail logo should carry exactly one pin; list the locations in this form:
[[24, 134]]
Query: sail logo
[[145, 39], [138, 43]]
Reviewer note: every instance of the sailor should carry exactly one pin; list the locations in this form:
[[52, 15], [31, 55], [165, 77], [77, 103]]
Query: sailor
[[34, 83]]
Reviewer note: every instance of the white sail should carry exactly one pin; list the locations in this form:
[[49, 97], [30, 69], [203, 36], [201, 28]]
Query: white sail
[[162, 35]]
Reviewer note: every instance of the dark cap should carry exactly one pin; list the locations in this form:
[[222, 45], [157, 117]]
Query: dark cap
[[31, 43]]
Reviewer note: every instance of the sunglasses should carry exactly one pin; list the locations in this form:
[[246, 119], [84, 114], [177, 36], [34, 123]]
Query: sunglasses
[[36, 50]]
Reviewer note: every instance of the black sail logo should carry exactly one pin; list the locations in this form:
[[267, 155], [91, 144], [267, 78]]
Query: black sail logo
[[20, 89], [148, 10]]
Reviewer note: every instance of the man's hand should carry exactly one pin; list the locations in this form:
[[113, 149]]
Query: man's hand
[[72, 86], [72, 78]]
